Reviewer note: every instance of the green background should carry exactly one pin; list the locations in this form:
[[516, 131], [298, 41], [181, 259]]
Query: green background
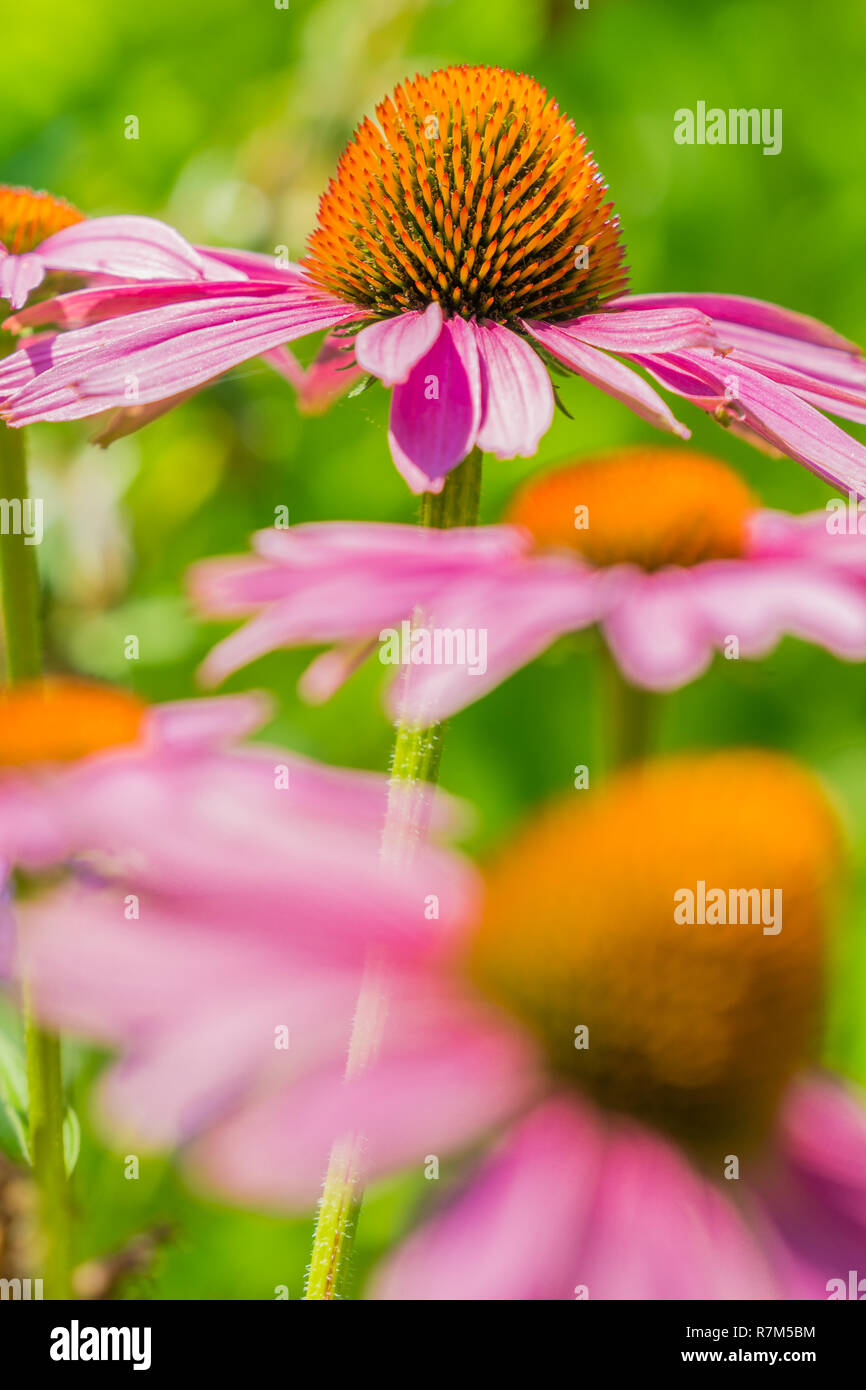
[[242, 109]]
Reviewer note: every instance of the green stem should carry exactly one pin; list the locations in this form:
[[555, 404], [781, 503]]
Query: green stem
[[631, 717], [414, 767], [19, 597]]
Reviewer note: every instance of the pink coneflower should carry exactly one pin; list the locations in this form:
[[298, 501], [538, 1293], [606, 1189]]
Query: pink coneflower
[[648, 1082], [42, 235], [464, 245], [668, 550], [45, 236], [177, 843]]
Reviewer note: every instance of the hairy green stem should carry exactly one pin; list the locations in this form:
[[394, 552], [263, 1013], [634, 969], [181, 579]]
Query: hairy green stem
[[19, 597], [414, 768]]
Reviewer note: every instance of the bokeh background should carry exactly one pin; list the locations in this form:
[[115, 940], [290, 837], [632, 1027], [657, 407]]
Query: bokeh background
[[242, 109]]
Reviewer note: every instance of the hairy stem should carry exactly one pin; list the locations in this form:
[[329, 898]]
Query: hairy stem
[[414, 768], [19, 596]]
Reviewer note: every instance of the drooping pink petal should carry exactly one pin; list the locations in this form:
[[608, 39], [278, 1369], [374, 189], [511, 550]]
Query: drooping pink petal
[[517, 397], [644, 330], [846, 400], [19, 275], [436, 413], [194, 1011], [490, 627], [330, 670], [159, 353], [252, 265], [666, 626], [83, 308], [574, 1207], [344, 582], [135, 248], [738, 309], [391, 348], [196, 725], [835, 536], [814, 1196], [333, 371], [656, 632], [515, 1232], [131, 418], [443, 1077], [770, 410], [611, 376]]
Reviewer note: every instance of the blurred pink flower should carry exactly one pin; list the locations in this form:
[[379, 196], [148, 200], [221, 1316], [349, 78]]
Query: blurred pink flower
[[458, 283], [608, 1169], [216, 876], [676, 560]]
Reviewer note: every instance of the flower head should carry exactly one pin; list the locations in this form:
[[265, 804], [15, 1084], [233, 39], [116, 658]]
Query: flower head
[[667, 550], [695, 1031], [473, 192], [703, 1038], [465, 245]]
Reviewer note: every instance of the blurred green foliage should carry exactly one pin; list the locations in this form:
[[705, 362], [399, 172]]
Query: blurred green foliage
[[242, 110]]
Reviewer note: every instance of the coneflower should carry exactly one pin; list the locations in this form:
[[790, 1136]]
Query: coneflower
[[465, 244]]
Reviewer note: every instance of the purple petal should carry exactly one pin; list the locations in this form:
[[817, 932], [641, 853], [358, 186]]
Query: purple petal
[[390, 349], [436, 413]]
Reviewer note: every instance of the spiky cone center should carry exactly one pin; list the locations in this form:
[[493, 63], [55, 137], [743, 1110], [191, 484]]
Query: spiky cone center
[[59, 720], [647, 506], [692, 1027], [28, 218], [475, 191]]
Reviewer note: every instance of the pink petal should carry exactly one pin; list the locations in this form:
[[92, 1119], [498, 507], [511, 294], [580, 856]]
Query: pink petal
[[737, 309], [517, 613], [194, 1011], [575, 1206], [198, 725], [644, 330], [138, 248], [514, 1233], [333, 371], [18, 276], [772, 411], [656, 632], [516, 392], [814, 1196], [436, 413], [391, 348], [443, 1077], [163, 352], [251, 265], [608, 374]]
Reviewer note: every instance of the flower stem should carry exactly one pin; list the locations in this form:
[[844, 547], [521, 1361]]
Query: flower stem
[[631, 716], [19, 597], [414, 768]]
